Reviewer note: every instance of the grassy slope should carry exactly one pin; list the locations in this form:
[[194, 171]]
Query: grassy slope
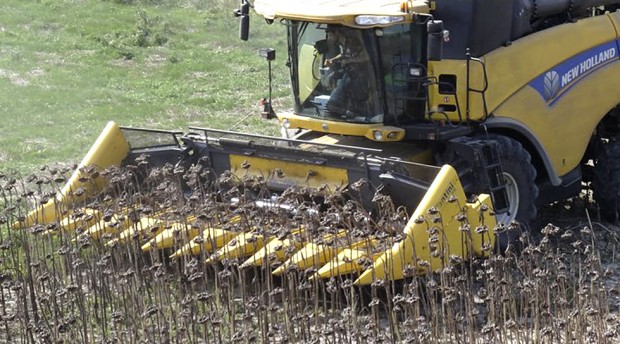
[[69, 66]]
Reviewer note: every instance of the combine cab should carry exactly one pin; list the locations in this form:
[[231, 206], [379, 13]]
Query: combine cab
[[420, 131]]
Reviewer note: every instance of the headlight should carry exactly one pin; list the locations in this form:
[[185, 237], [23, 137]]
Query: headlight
[[415, 72], [367, 20]]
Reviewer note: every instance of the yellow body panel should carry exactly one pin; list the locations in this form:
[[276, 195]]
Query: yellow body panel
[[513, 101], [335, 12], [572, 116], [405, 151], [112, 227], [147, 226], [433, 234], [325, 125], [512, 67], [438, 101], [298, 174], [242, 245], [110, 149], [277, 249], [346, 262], [83, 219], [175, 233], [311, 255], [575, 115], [213, 239]]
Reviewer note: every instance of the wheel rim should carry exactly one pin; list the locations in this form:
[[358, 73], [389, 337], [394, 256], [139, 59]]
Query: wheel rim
[[512, 192]]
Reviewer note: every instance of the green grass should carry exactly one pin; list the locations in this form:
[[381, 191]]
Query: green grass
[[69, 66]]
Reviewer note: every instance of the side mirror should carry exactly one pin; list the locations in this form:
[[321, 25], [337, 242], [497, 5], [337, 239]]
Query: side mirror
[[436, 37], [244, 25], [244, 28]]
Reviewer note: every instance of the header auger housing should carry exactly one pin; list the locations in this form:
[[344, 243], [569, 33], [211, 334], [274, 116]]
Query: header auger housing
[[221, 178], [420, 130]]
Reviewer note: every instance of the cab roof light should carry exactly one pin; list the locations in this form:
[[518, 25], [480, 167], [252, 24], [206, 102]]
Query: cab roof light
[[368, 20]]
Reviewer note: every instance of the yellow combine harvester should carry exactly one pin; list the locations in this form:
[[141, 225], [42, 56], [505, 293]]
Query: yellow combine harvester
[[464, 116]]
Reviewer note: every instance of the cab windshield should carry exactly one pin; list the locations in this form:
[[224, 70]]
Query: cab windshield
[[333, 73]]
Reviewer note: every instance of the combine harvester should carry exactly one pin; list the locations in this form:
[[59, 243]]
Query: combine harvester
[[430, 126]]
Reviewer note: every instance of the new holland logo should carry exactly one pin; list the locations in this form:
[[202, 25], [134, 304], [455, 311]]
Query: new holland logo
[[551, 85], [556, 82]]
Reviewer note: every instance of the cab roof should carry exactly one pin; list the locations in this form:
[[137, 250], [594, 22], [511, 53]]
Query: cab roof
[[337, 11]]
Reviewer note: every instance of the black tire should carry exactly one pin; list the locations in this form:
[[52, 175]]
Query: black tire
[[518, 169], [522, 191], [520, 178], [606, 179]]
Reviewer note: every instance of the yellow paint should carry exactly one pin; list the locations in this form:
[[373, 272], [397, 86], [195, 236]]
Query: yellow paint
[[575, 116], [340, 127], [417, 248], [511, 68], [213, 239], [112, 227], [325, 139], [459, 69], [347, 259], [276, 248], [147, 226], [295, 174], [346, 262], [406, 151], [109, 149], [534, 54], [315, 255], [71, 222], [578, 112], [242, 245], [174, 234], [87, 218], [311, 255], [336, 12]]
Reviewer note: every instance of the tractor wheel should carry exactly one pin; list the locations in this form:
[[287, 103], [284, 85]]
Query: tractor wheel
[[520, 176], [606, 179], [521, 188]]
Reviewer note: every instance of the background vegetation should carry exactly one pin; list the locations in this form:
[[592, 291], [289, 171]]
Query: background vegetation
[[69, 66]]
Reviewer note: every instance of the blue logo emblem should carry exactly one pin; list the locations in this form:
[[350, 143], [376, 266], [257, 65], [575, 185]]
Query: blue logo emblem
[[556, 82], [551, 84]]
